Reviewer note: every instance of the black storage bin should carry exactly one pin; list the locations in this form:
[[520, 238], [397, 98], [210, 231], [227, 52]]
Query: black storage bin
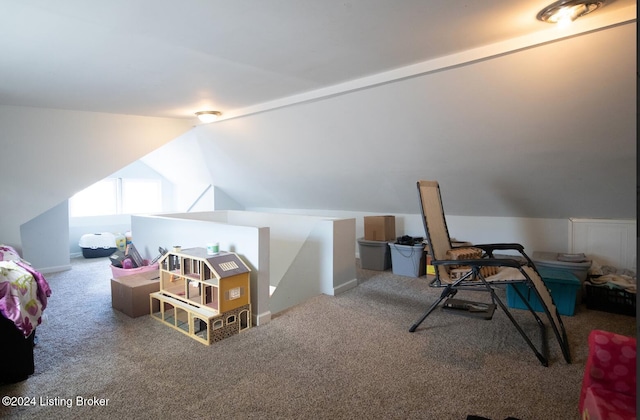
[[616, 301], [16, 353]]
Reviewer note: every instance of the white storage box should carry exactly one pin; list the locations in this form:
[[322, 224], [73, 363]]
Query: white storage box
[[96, 245]]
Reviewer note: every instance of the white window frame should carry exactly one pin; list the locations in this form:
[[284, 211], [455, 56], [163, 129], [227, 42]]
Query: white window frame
[[83, 203]]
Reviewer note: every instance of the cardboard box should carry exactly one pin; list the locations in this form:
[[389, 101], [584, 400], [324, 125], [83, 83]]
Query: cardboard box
[[380, 228], [130, 294]]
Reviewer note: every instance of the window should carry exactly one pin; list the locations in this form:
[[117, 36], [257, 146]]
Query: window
[[141, 196], [100, 199], [118, 196]]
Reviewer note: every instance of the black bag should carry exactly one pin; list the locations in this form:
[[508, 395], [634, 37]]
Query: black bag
[[409, 240]]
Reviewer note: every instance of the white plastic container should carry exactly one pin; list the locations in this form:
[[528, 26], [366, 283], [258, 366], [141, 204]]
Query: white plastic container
[[96, 245]]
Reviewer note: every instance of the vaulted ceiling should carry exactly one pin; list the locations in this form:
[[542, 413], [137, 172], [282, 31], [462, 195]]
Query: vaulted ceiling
[[167, 58], [344, 105]]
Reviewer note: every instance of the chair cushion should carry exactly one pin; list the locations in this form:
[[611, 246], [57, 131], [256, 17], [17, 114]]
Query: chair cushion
[[467, 253]]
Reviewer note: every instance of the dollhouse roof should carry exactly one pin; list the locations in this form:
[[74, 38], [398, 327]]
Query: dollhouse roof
[[227, 264]]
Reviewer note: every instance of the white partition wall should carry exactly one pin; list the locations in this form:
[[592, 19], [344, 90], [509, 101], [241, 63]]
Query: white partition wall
[[324, 263], [297, 256], [310, 255]]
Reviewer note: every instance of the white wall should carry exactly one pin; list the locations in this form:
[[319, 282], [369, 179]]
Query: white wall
[[534, 234], [606, 242], [546, 132], [181, 162], [55, 153], [45, 240], [309, 254]]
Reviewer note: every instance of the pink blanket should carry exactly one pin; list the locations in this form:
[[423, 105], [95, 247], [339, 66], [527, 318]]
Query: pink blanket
[[23, 293]]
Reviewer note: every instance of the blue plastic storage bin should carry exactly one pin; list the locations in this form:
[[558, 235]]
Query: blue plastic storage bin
[[564, 287], [408, 260]]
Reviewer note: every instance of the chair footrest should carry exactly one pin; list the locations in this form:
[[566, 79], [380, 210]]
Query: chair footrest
[[468, 308]]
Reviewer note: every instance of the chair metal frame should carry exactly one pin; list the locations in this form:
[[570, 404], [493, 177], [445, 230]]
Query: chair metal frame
[[522, 270]]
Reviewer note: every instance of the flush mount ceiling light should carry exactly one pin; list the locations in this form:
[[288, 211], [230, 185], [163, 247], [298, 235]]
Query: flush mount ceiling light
[[208, 116], [566, 11]]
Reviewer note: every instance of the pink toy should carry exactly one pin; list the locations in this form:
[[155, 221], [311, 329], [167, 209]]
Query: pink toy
[[609, 383]]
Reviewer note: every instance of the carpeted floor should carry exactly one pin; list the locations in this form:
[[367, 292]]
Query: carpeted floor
[[349, 356]]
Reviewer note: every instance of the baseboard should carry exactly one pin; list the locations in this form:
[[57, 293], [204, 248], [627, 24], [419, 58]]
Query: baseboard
[[57, 269], [345, 286], [262, 319]]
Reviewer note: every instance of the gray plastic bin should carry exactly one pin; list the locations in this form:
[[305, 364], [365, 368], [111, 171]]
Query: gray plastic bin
[[374, 255], [571, 263], [566, 262], [408, 260]]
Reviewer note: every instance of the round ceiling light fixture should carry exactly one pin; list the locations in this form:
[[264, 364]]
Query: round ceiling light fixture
[[208, 116], [566, 11]]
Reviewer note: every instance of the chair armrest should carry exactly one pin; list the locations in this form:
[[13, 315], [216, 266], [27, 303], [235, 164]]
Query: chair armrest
[[489, 248], [492, 247]]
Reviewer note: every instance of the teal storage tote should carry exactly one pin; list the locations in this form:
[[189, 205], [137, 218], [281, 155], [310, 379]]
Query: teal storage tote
[[564, 287]]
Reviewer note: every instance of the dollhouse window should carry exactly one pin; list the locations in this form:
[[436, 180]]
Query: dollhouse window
[[234, 293], [217, 324], [231, 319]]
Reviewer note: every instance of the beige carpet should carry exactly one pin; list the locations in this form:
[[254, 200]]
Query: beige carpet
[[344, 357]]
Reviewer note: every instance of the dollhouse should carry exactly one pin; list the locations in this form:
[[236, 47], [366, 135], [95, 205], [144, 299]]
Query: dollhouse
[[205, 296]]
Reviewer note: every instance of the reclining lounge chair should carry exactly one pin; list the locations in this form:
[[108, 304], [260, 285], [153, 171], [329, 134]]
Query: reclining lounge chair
[[477, 268]]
